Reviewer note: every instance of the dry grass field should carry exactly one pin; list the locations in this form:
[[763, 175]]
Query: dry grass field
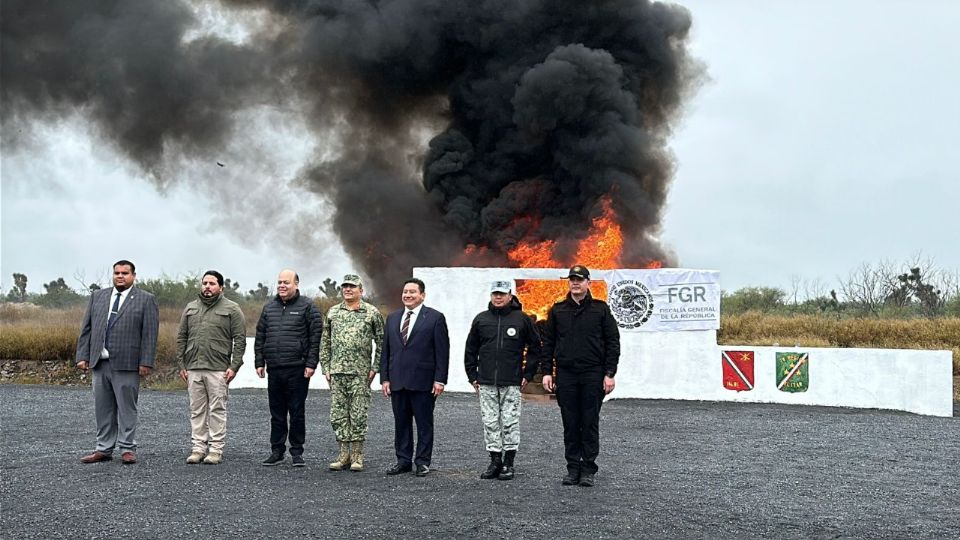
[[49, 335], [812, 331]]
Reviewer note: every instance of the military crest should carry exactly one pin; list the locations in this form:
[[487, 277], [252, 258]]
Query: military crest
[[793, 371], [631, 303], [737, 370]]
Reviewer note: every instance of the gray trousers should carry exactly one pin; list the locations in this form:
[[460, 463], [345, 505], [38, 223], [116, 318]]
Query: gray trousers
[[500, 412], [115, 395]]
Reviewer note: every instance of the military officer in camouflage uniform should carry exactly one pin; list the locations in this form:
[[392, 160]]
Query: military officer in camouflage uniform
[[350, 330]]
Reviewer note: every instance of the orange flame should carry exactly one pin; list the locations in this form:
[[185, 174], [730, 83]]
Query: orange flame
[[601, 249]]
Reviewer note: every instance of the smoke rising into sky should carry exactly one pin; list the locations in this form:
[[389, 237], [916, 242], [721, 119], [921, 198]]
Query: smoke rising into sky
[[530, 108]]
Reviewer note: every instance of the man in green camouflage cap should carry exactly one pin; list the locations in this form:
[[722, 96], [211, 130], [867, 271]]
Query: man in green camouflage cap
[[350, 331]]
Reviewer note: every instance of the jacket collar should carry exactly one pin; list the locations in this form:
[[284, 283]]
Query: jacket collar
[[296, 296], [505, 310], [586, 300]]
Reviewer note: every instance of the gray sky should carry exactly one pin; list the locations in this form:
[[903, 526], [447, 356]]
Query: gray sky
[[825, 137]]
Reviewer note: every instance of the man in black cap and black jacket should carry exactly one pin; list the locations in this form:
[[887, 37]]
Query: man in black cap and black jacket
[[580, 340]]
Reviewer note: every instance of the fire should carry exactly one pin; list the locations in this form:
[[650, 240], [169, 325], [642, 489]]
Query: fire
[[601, 249]]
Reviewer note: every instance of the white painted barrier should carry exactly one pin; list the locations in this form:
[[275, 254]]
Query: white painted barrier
[[247, 376], [687, 365]]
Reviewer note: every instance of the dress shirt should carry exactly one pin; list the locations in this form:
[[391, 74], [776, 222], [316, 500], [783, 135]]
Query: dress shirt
[[123, 298], [413, 318]]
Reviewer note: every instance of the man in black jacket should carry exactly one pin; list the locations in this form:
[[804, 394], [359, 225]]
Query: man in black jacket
[[582, 341], [493, 358], [288, 346]]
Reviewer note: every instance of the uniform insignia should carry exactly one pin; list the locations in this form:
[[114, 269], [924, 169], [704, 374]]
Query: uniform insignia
[[737, 370], [793, 373]]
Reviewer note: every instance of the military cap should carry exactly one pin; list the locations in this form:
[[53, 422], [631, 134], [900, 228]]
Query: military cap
[[501, 286], [579, 271]]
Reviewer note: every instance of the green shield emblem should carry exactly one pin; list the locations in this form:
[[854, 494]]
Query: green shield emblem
[[793, 371]]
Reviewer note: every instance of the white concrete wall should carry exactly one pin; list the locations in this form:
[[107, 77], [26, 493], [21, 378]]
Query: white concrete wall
[[247, 376], [687, 365]]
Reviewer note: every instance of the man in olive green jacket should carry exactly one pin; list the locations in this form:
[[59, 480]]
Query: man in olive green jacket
[[351, 330], [211, 340]]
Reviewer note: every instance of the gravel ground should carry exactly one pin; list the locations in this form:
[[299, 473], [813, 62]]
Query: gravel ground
[[668, 469]]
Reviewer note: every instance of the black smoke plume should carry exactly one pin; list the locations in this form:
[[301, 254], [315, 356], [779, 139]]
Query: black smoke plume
[[528, 108]]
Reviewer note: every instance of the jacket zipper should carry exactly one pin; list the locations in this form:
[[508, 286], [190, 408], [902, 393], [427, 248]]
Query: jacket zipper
[[496, 360]]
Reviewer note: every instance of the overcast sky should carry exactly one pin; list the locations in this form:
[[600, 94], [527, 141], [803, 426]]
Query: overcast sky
[[824, 137]]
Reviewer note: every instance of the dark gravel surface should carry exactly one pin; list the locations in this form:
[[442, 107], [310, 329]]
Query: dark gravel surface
[[667, 469]]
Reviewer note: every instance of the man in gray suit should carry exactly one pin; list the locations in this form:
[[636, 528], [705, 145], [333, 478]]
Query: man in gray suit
[[118, 341]]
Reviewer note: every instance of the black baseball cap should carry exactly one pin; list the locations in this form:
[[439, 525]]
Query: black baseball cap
[[579, 271]]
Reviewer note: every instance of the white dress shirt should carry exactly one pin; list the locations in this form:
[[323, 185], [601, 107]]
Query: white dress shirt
[[413, 318], [113, 296]]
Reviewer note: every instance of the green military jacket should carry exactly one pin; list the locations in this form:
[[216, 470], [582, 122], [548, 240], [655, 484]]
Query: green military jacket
[[211, 337], [348, 339]]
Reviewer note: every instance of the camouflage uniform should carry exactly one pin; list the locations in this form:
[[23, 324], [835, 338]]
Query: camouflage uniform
[[500, 412], [346, 354]]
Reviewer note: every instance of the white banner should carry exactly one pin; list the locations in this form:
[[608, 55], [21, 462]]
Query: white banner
[[664, 300]]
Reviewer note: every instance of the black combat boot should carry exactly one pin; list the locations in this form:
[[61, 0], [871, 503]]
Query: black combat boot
[[493, 470], [507, 472]]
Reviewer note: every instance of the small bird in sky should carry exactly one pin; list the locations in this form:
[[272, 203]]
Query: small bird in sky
[[220, 164]]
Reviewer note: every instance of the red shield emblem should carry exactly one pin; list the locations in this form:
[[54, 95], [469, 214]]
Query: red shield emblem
[[737, 370]]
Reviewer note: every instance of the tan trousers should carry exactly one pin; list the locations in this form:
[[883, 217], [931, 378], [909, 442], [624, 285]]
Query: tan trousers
[[208, 410]]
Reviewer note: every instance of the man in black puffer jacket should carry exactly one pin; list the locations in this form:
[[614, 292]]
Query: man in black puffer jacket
[[581, 336], [493, 358], [288, 346]]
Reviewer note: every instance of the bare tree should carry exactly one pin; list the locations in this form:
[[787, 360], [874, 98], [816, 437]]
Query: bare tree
[[921, 284], [80, 276], [868, 287], [814, 288], [795, 282], [951, 285]]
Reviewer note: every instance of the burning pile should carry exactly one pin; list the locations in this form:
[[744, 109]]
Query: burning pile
[[601, 249]]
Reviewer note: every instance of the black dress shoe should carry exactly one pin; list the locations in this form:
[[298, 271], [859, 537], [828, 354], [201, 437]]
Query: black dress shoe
[[400, 468], [586, 480], [422, 470], [272, 459], [571, 479]]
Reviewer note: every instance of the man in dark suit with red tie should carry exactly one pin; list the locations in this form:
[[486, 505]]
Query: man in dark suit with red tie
[[118, 341], [413, 371]]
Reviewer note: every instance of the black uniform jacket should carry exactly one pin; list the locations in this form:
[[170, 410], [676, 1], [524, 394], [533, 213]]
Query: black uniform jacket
[[495, 344], [581, 338]]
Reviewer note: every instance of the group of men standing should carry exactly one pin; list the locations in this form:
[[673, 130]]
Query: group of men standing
[[578, 349]]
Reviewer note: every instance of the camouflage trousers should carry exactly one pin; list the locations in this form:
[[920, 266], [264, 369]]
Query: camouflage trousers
[[500, 412], [349, 405]]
